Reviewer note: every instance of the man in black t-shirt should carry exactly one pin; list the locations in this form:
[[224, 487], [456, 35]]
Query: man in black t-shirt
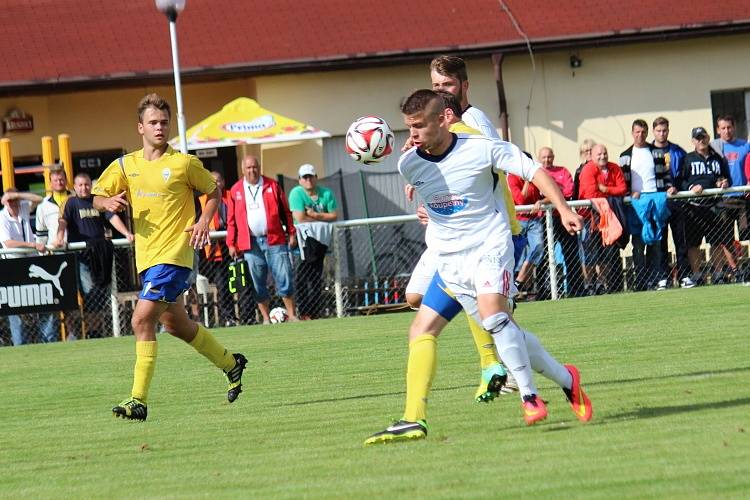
[[85, 223]]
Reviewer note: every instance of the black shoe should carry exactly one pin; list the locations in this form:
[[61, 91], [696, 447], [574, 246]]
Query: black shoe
[[131, 409], [234, 376]]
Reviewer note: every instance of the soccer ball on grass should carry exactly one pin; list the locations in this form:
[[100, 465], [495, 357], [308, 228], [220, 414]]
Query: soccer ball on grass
[[278, 315], [369, 140]]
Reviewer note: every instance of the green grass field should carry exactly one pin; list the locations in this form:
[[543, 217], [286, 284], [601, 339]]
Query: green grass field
[[667, 373]]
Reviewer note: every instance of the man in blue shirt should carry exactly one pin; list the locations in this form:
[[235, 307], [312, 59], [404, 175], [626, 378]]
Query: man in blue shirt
[[732, 148], [736, 152]]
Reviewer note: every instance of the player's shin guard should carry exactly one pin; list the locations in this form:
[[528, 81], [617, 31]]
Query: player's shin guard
[[143, 372], [206, 344], [512, 349], [420, 372], [543, 363], [485, 344]]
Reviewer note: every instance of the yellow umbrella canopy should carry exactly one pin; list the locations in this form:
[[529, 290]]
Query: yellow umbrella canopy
[[244, 121]]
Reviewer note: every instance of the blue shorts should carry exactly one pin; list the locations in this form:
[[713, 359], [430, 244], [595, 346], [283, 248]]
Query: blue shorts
[[260, 258], [533, 251], [440, 300], [164, 283]]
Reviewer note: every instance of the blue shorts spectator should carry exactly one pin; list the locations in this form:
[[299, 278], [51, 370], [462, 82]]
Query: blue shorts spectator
[[583, 235], [260, 258], [533, 229]]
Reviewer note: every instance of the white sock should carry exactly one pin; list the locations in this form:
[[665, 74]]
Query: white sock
[[543, 363], [511, 347]]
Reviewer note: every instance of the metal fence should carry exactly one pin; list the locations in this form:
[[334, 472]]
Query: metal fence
[[369, 262], [704, 242]]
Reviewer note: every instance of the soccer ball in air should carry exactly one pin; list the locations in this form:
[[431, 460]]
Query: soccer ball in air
[[369, 140], [278, 315]]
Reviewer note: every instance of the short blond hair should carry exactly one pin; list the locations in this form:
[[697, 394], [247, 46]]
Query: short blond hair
[[153, 101]]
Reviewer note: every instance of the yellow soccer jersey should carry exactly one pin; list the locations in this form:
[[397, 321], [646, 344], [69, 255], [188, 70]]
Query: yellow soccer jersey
[[160, 193], [515, 226]]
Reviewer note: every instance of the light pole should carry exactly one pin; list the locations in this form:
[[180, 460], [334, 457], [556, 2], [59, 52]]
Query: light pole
[[171, 8]]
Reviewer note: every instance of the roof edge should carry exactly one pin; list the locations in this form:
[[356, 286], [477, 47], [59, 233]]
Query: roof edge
[[362, 60]]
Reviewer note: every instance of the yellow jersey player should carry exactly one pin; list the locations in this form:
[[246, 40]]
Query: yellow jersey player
[[158, 183]]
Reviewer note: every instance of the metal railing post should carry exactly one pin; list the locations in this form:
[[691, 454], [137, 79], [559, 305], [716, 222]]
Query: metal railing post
[[113, 299], [551, 253], [337, 288]]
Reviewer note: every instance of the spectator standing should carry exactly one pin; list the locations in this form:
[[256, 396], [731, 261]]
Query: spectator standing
[[313, 207], [672, 155], [15, 232], [568, 242], [702, 168], [47, 217], [216, 253], [260, 228], [48, 211], [599, 178], [645, 172], [584, 155], [532, 227], [736, 152], [671, 152], [84, 223]]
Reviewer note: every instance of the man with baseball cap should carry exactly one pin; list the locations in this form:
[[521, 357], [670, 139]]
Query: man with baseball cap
[[313, 207], [702, 168]]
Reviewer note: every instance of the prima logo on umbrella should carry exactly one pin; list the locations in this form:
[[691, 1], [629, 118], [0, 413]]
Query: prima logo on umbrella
[[261, 123]]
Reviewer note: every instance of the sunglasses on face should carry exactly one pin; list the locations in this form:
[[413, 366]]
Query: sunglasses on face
[[307, 177]]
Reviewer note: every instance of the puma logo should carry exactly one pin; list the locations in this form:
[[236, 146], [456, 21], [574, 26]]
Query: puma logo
[[39, 272]]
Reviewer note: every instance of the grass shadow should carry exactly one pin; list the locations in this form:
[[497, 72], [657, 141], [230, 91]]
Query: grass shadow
[[463, 387], [665, 411]]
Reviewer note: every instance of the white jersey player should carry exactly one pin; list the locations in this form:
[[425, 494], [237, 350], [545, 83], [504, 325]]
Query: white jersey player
[[470, 233], [448, 76]]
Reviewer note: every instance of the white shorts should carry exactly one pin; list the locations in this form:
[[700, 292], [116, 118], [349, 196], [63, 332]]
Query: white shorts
[[478, 271], [423, 273]]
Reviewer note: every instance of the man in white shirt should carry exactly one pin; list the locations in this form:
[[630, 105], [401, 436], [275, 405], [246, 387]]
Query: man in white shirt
[[471, 235], [646, 171], [47, 219], [15, 232], [260, 229]]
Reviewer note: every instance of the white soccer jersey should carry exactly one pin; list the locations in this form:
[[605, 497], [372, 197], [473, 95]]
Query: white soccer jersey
[[475, 118], [458, 190]]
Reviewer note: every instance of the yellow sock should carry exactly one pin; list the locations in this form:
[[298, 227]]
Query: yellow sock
[[420, 371], [484, 343], [206, 344], [145, 362]]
